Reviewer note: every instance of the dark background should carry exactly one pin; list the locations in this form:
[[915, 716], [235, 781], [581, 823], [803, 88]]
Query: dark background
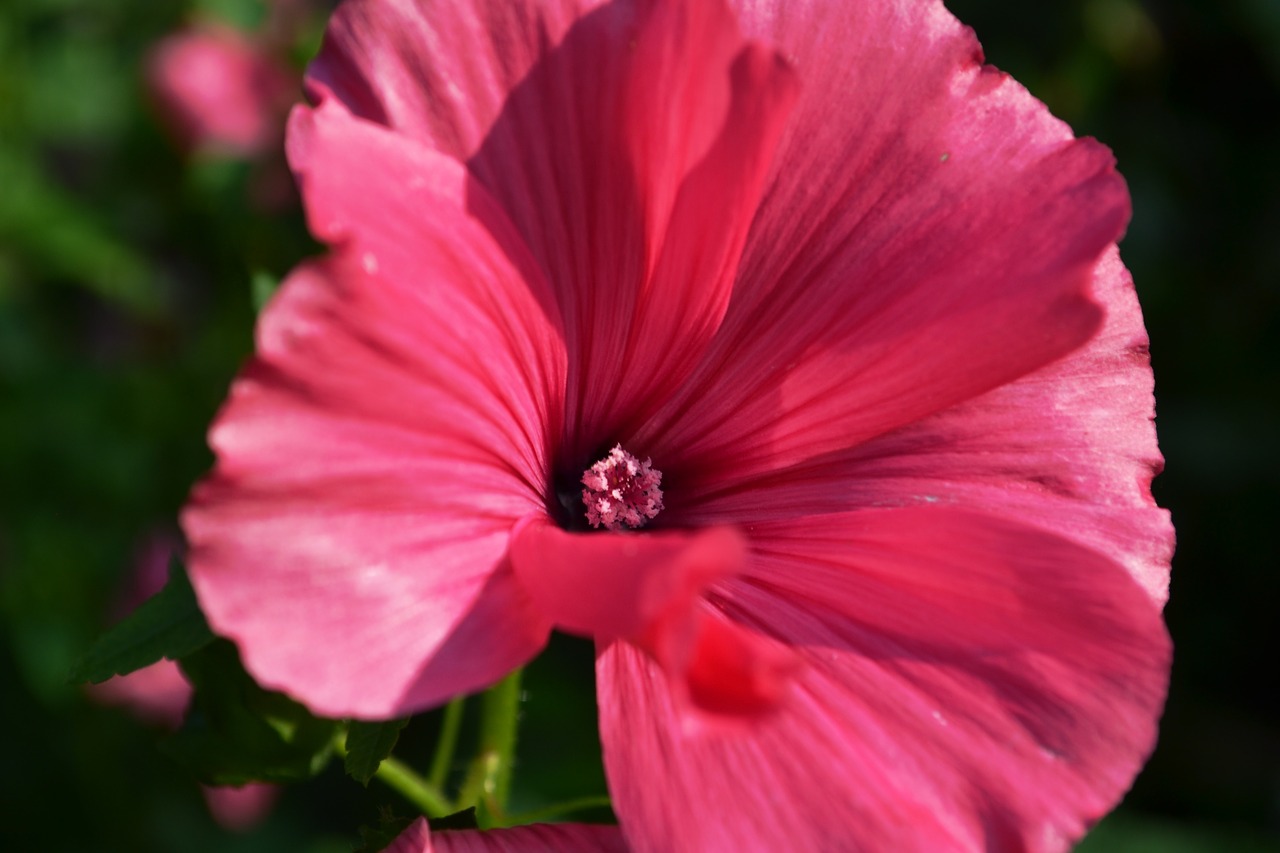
[[126, 305]]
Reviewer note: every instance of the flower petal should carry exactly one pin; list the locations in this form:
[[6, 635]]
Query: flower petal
[[621, 584], [240, 809], [375, 454], [1070, 448], [535, 838], [928, 234], [647, 588], [969, 684], [628, 142], [157, 694], [440, 72], [218, 90]]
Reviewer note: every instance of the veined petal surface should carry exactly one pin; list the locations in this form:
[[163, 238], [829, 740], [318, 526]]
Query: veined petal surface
[[928, 233], [392, 427], [967, 684], [1070, 448], [629, 143]]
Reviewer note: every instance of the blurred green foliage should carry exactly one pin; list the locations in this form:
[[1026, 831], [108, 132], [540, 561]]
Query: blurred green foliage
[[1187, 94], [166, 625], [129, 276]]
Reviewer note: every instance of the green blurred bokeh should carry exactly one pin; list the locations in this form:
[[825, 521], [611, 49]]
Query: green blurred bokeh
[[126, 303]]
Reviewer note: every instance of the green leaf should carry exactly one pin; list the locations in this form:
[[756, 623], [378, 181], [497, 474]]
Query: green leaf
[[368, 744], [262, 287], [236, 732], [167, 625], [245, 14]]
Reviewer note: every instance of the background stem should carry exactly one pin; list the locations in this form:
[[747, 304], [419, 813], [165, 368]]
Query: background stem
[[489, 778], [447, 744]]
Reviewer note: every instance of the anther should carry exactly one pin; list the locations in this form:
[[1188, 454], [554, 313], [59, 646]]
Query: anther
[[621, 492]]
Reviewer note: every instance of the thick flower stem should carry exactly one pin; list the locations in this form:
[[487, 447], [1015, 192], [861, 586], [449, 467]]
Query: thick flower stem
[[489, 778], [414, 788], [397, 775]]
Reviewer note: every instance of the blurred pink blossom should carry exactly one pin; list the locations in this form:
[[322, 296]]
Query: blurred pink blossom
[[159, 694], [220, 91]]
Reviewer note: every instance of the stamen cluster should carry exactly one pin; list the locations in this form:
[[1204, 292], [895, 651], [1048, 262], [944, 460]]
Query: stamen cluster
[[621, 491]]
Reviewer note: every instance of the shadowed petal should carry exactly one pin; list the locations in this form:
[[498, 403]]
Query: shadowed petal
[[928, 234], [374, 455], [629, 143], [968, 684]]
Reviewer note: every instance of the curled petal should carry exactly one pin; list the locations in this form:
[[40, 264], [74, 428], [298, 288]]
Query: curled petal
[[647, 589]]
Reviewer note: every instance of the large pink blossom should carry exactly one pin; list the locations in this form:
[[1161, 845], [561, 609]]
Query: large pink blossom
[[819, 321]]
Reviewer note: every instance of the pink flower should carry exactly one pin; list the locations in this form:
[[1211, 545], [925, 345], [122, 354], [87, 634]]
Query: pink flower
[[537, 838], [882, 571], [218, 90], [157, 694], [240, 808], [160, 694]]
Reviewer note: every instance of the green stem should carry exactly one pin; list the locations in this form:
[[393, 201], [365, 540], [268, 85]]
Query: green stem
[[414, 788], [489, 779], [500, 721], [598, 801], [397, 775], [447, 744]]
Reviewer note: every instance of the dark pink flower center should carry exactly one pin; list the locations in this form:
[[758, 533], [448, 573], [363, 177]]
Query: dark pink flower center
[[621, 492]]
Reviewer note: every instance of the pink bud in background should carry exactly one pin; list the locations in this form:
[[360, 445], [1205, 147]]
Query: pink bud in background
[[158, 694], [240, 809], [217, 90]]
